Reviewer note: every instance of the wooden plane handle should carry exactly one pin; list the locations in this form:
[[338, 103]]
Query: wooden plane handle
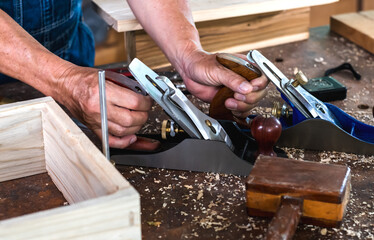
[[245, 69], [284, 223]]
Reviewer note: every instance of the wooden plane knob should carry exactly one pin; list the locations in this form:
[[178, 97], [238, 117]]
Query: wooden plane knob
[[266, 131]]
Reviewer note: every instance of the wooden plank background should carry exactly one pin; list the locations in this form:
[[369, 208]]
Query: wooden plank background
[[236, 34]]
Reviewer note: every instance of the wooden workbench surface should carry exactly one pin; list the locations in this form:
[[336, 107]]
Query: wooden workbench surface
[[189, 205]]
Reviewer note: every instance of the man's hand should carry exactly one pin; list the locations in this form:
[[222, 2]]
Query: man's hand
[[23, 58], [180, 41], [127, 111], [203, 76]]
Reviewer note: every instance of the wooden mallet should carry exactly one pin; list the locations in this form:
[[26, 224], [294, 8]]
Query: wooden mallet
[[290, 189]]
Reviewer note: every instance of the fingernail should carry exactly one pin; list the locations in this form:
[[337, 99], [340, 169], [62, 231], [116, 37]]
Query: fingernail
[[132, 140], [231, 105], [240, 97], [245, 87]]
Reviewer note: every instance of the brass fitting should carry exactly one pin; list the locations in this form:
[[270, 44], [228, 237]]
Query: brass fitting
[[300, 78], [280, 111], [169, 129]]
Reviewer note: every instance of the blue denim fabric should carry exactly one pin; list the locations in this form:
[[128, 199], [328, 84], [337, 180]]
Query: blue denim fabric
[[57, 25]]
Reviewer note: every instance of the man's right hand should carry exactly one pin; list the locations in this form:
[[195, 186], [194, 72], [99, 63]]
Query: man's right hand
[[127, 111]]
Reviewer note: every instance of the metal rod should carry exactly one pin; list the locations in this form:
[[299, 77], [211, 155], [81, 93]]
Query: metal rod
[[103, 113]]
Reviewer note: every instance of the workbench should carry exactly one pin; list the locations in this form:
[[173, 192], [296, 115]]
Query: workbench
[[190, 205], [224, 26]]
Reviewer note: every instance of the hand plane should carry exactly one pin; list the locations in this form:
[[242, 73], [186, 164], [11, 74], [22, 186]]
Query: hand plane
[[314, 125], [209, 145]]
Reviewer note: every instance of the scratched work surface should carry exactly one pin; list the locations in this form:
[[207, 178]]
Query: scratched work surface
[[187, 205]]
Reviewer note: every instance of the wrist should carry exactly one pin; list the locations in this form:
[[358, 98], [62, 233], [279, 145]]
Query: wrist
[[184, 52], [61, 78], [70, 84]]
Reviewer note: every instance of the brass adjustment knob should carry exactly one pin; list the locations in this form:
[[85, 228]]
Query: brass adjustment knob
[[169, 129], [280, 111], [300, 78]]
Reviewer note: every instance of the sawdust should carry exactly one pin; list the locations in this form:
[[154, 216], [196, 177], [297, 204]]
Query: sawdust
[[213, 205]]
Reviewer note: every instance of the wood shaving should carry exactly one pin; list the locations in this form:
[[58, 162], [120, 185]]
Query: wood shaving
[[200, 194], [152, 223], [139, 171]]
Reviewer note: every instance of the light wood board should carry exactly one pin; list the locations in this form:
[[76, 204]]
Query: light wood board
[[320, 15], [37, 136], [357, 27], [118, 14], [237, 34]]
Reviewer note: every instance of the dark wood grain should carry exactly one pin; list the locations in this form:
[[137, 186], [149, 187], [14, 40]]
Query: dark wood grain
[[284, 223], [310, 180], [266, 131], [217, 108], [323, 189]]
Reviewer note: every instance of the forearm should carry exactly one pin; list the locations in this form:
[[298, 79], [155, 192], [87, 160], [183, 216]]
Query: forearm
[[23, 58], [170, 24]]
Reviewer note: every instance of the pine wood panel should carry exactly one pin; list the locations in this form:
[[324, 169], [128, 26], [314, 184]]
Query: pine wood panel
[[21, 151], [357, 27], [237, 34], [118, 14], [320, 15], [71, 157], [115, 216], [367, 4], [103, 204], [22, 147], [112, 50]]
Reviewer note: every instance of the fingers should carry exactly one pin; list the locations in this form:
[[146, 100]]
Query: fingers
[[125, 117], [120, 131], [121, 142], [145, 144], [240, 105], [117, 142], [203, 92], [126, 98], [259, 83], [233, 81], [120, 136]]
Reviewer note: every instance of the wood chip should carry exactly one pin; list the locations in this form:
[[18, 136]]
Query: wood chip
[[139, 171], [184, 213], [200, 194], [152, 223]]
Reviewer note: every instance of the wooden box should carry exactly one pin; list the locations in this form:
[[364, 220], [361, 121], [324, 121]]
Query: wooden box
[[36, 137]]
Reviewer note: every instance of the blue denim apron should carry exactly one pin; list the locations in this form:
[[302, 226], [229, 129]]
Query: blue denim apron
[[57, 25]]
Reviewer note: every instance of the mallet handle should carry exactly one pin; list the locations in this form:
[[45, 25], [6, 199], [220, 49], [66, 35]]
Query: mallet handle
[[284, 223]]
